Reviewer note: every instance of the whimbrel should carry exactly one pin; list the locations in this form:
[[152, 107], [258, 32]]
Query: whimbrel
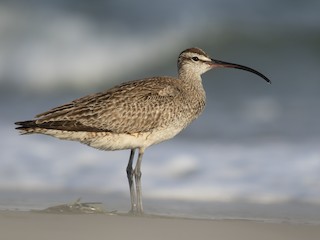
[[134, 115]]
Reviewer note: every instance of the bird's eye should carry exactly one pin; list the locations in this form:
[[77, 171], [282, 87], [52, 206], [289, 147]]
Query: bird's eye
[[195, 59]]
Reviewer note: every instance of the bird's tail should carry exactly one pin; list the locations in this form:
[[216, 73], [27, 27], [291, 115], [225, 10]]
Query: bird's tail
[[27, 127]]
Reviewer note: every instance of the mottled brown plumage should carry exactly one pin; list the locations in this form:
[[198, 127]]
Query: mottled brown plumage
[[137, 106], [133, 115]]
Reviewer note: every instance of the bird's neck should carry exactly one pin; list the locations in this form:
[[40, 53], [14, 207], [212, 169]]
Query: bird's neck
[[195, 96], [195, 93], [191, 79]]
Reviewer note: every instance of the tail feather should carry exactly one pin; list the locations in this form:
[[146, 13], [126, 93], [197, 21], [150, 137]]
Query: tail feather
[[26, 126], [31, 126]]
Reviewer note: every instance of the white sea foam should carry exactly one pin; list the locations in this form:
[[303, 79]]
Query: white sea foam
[[260, 172]]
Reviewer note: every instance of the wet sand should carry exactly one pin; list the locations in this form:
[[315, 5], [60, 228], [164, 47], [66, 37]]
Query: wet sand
[[49, 226], [51, 215]]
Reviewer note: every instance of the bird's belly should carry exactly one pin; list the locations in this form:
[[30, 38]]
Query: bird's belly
[[112, 141], [115, 141]]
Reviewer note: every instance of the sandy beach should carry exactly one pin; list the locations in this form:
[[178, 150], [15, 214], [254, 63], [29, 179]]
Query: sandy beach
[[32, 225], [51, 215]]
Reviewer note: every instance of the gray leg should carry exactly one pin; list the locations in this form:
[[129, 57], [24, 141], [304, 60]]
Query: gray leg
[[137, 175], [131, 183]]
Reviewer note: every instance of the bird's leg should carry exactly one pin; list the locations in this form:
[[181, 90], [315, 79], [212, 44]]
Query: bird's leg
[[131, 183], [137, 175]]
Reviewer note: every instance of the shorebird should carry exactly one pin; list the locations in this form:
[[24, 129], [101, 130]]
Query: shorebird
[[134, 115]]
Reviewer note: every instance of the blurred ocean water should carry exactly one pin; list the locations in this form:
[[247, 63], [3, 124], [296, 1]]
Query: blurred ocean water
[[255, 142]]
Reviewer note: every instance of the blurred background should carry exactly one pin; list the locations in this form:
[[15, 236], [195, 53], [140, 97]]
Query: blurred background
[[255, 143]]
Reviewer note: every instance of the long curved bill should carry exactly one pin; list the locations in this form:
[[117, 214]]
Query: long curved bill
[[218, 63]]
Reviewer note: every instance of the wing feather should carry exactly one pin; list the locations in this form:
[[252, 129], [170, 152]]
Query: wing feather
[[135, 106]]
